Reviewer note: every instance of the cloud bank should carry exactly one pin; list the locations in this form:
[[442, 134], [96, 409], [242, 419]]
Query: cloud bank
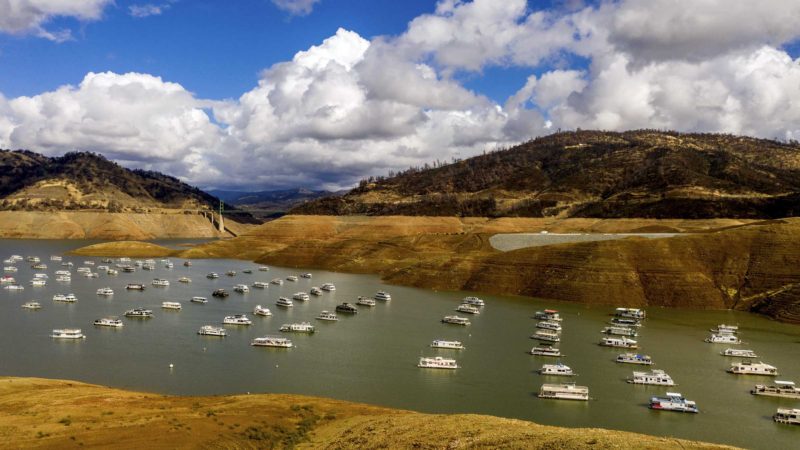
[[351, 107]]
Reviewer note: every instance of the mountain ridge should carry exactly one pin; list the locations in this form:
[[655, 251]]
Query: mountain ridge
[[597, 174]]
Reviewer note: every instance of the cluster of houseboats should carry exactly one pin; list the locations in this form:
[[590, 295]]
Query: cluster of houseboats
[[468, 305], [126, 265], [625, 325]]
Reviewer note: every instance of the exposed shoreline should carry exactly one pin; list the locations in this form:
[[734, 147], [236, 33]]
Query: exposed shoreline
[[38, 412], [722, 264]]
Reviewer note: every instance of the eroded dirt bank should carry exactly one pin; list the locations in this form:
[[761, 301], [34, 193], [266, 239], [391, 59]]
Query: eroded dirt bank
[[110, 226], [721, 264]]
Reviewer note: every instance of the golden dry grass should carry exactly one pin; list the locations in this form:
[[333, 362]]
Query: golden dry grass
[[39, 413]]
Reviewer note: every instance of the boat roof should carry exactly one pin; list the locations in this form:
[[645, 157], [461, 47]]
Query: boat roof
[[674, 394], [784, 383]]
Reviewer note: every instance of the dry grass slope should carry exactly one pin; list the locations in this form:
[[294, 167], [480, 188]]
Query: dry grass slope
[[38, 413]]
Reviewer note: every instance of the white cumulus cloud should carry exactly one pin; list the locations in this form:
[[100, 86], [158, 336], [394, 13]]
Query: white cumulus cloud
[[31, 16]]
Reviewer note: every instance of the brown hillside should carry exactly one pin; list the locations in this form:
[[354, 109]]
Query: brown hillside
[[37, 413], [642, 173]]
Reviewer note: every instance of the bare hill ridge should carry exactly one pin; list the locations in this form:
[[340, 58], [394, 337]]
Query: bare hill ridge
[[38, 413], [643, 173]]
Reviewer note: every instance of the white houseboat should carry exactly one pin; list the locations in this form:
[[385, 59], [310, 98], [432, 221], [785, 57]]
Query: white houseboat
[[565, 391]]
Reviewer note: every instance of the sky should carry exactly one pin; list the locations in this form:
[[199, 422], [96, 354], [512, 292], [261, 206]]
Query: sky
[[273, 94]]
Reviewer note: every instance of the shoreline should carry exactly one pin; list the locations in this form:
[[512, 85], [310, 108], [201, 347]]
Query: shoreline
[[753, 267]]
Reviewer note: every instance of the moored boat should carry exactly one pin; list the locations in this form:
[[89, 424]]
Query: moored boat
[[330, 287], [301, 296], [67, 333], [241, 288], [382, 296], [673, 401], [109, 322], [365, 301], [305, 275], [634, 358], [271, 341], [292, 278], [753, 368], [347, 308], [32, 305], [546, 350], [329, 316], [276, 281], [550, 315], [261, 284], [262, 311], [140, 313], [656, 377], [452, 345], [212, 276], [565, 391], [784, 389], [237, 319], [725, 329], [285, 302], [620, 331], [160, 282], [437, 362], [468, 309], [302, 327], [630, 313], [171, 305], [788, 416], [474, 301], [620, 342], [558, 369], [199, 300], [106, 292], [210, 330], [455, 320], [546, 335], [723, 339], [549, 325], [739, 353], [222, 293], [184, 280], [315, 291]]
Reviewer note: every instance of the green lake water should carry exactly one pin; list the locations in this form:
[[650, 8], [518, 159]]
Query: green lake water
[[372, 357]]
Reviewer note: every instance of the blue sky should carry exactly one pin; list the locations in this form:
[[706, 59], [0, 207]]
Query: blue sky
[[211, 48], [262, 94]]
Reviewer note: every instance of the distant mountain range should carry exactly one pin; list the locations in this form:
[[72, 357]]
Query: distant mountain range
[[87, 181], [644, 173], [269, 204]]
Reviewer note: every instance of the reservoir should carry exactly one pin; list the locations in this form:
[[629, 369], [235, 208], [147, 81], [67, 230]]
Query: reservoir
[[371, 357]]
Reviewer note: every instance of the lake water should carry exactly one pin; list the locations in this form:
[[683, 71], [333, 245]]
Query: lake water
[[372, 356], [513, 241]]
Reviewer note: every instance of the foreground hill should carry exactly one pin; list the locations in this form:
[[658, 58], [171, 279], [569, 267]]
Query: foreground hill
[[714, 264], [38, 413], [595, 174]]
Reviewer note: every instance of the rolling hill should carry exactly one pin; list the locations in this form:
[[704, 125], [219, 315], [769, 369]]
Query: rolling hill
[[642, 174], [83, 181]]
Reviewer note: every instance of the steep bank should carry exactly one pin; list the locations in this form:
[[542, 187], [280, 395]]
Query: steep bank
[[38, 413], [110, 226], [722, 265]]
